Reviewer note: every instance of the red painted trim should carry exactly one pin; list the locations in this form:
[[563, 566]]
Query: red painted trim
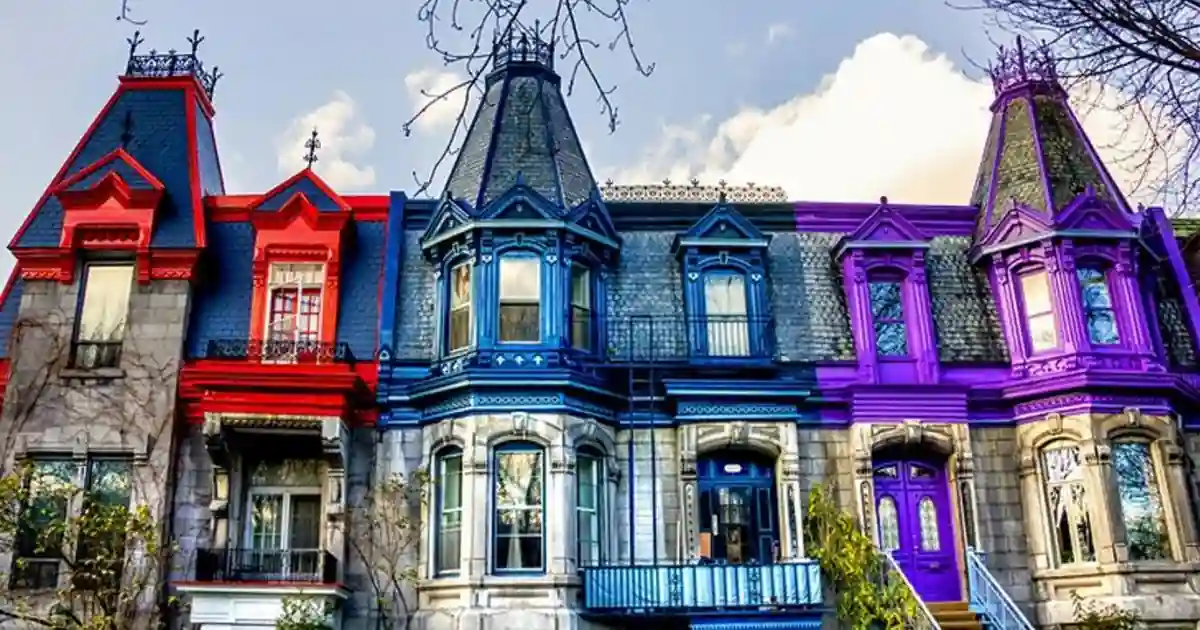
[[114, 155], [194, 176], [326, 389], [10, 283], [237, 208], [303, 174], [188, 82]]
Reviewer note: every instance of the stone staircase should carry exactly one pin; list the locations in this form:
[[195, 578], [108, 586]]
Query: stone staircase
[[955, 616]]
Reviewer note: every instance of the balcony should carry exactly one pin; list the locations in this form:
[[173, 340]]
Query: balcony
[[690, 588], [718, 339], [286, 566], [283, 351]]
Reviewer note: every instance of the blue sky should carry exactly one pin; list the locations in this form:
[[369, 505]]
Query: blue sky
[[797, 94]]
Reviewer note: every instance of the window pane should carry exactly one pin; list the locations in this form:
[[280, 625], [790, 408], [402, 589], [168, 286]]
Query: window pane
[[459, 333], [886, 303], [930, 537], [51, 488], [105, 302], [1141, 503], [889, 524], [449, 534], [725, 295], [1066, 502], [891, 339], [1098, 307], [519, 514], [266, 522], [581, 328], [520, 322], [1036, 290], [520, 279], [109, 482], [304, 523], [1043, 335], [460, 286], [581, 287]]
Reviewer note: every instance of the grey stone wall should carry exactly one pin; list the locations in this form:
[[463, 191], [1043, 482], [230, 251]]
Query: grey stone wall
[[656, 501], [1001, 515], [825, 458], [51, 409]]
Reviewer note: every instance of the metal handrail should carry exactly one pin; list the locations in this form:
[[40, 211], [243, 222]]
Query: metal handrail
[[989, 599], [924, 619]]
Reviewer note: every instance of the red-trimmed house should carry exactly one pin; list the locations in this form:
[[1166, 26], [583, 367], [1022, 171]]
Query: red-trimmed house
[[210, 355]]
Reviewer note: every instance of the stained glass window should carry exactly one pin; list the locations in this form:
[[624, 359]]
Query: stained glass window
[[887, 312], [1039, 311], [930, 536], [520, 510], [1141, 502], [1098, 306], [889, 524], [520, 299], [449, 501], [1066, 502]]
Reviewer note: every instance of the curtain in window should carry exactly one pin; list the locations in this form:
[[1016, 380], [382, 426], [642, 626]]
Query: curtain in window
[[1066, 500], [105, 303], [520, 295], [518, 510], [725, 311]]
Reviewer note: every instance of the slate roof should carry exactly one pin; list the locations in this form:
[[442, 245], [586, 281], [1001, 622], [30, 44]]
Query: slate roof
[[10, 305]]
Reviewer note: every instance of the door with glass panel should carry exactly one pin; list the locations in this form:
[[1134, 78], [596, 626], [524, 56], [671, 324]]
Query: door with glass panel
[[912, 500], [285, 536]]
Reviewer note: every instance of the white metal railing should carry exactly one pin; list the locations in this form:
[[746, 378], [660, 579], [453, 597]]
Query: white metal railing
[[988, 599], [924, 619]]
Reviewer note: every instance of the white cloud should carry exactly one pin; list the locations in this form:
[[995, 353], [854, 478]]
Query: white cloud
[[778, 32], [894, 120], [343, 135], [428, 84]]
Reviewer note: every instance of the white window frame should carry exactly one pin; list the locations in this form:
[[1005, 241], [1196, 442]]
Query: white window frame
[[301, 276]]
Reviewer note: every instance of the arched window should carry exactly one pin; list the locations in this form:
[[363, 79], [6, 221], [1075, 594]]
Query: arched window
[[519, 500], [1141, 500], [448, 508], [1098, 311], [1066, 504], [589, 506]]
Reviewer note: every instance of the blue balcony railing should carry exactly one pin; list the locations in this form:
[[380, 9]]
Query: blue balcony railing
[[717, 338], [666, 589]]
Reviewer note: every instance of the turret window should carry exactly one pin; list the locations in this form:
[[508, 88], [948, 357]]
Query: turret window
[[725, 311], [581, 307], [1098, 308], [459, 329], [887, 312], [520, 299], [1039, 311]]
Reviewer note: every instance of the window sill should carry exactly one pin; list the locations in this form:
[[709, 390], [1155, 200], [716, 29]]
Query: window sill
[[1097, 569], [96, 374]]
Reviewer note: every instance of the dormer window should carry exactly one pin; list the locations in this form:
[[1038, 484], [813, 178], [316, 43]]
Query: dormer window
[[887, 312], [581, 307], [520, 299], [103, 316], [459, 329], [294, 311], [1039, 311], [1098, 308], [725, 312]]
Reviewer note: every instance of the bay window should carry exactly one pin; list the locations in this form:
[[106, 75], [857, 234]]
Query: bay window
[[1067, 504], [1099, 314], [103, 315], [449, 511], [520, 299], [518, 497], [887, 314], [589, 506], [726, 315], [1039, 311], [458, 335], [581, 307]]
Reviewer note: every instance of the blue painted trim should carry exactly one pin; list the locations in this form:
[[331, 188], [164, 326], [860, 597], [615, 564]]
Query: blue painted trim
[[515, 446], [440, 456], [390, 298]]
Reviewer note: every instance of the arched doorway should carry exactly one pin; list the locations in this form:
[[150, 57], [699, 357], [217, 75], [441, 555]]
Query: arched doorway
[[916, 525], [738, 507]]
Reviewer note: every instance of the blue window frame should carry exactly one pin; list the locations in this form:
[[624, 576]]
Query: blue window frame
[[1098, 311], [590, 506], [887, 314], [518, 497], [520, 299], [449, 509], [581, 308], [460, 308]]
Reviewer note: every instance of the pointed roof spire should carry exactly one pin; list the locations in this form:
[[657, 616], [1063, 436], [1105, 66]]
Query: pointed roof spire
[[522, 132], [1037, 154]]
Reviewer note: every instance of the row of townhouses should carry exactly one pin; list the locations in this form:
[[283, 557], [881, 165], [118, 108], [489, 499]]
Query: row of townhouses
[[622, 396]]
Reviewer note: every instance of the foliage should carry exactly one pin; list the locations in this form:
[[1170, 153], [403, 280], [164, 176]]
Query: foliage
[[111, 554], [383, 531], [304, 613], [868, 594], [1092, 616], [1147, 55]]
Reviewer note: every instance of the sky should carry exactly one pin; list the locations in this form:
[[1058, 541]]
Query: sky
[[841, 100]]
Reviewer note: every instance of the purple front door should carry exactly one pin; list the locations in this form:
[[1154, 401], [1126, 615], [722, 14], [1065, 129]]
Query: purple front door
[[912, 501]]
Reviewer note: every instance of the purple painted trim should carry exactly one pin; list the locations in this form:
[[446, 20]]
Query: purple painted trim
[[1183, 280], [927, 403], [1082, 403], [838, 217]]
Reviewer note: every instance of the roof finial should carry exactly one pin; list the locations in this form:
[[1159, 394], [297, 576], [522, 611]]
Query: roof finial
[[195, 40], [312, 144]]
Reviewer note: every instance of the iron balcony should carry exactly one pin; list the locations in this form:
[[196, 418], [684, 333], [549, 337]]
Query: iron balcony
[[304, 566]]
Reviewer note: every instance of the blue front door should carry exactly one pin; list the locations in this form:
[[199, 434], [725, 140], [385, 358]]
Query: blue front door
[[737, 508]]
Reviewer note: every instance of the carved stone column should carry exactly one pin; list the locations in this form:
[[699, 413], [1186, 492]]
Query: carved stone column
[[1108, 535], [864, 480]]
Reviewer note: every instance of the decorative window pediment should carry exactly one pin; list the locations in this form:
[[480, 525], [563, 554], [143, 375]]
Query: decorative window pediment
[[1086, 217], [722, 227], [884, 229], [1020, 225], [1093, 217], [521, 209]]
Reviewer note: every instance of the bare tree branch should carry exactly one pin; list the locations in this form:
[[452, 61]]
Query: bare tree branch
[[462, 33], [1148, 51]]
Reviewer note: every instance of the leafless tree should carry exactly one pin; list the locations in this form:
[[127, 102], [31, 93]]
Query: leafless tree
[[462, 33], [1149, 52]]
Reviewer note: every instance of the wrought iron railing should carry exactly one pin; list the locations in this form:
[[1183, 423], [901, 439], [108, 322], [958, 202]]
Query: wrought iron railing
[[719, 338], [666, 588], [309, 566], [924, 619], [279, 351], [171, 63], [989, 600]]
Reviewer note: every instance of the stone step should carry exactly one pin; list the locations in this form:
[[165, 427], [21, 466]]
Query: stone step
[[955, 616]]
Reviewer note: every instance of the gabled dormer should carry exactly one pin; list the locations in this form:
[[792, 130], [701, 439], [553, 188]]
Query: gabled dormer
[[300, 233], [883, 263], [723, 263], [521, 241], [1057, 236]]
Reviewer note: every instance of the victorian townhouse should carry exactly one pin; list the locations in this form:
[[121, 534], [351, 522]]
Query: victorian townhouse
[[622, 395]]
